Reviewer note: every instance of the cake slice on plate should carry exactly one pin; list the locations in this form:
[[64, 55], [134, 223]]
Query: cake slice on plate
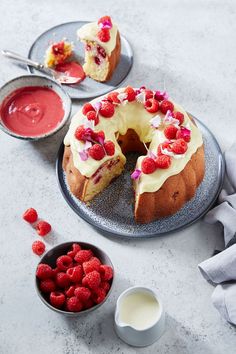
[[102, 48]]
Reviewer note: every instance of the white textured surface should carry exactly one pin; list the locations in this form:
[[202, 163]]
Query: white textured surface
[[190, 45]]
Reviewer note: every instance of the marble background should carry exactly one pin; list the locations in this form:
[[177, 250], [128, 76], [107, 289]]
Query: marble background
[[189, 45]]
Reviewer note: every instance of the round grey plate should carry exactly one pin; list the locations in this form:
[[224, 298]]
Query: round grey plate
[[112, 210], [87, 88]]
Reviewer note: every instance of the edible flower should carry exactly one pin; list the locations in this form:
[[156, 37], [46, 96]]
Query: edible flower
[[136, 174]]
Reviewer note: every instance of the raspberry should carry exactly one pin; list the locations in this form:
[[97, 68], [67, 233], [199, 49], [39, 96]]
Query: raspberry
[[181, 134], [98, 295], [75, 274], [92, 115], [64, 262], [148, 94], [44, 271], [179, 146], [170, 131], [151, 105], [57, 299], [43, 228], [105, 285], [70, 291], [106, 272], [109, 147], [62, 280], [58, 48], [130, 93], [73, 304], [112, 97], [82, 293], [47, 285], [87, 107], [163, 161], [38, 247], [104, 35], [104, 19], [92, 280], [97, 60], [55, 271], [107, 109], [79, 133], [164, 145], [99, 137], [83, 256], [97, 152], [166, 106], [30, 215], [75, 248], [88, 304], [179, 116], [148, 165], [160, 96], [92, 264], [101, 51]]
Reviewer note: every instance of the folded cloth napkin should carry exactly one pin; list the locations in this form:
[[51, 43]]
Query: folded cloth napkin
[[221, 269]]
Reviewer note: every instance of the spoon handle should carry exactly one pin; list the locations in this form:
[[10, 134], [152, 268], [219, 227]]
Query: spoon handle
[[12, 55]]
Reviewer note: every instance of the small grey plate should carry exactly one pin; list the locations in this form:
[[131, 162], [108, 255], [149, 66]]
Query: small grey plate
[[112, 210], [87, 88]]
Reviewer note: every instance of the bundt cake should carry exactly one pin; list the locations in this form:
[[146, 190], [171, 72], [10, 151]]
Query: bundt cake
[[171, 165], [102, 48], [58, 53]]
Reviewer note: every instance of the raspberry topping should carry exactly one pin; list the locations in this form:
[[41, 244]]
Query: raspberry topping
[[57, 299], [92, 280], [30, 215], [83, 256], [149, 94], [162, 146], [87, 107], [38, 247], [109, 147], [97, 152], [105, 20], [47, 285], [64, 262], [75, 274], [93, 264], [170, 131], [179, 116], [73, 304], [44, 271], [151, 105], [148, 165], [80, 133], [104, 35], [58, 48], [113, 97], [106, 272], [82, 293], [43, 228], [62, 280], [107, 109], [163, 161], [130, 93], [166, 106], [179, 146], [92, 115]]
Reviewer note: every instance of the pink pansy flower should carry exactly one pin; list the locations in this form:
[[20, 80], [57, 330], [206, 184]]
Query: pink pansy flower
[[105, 24]]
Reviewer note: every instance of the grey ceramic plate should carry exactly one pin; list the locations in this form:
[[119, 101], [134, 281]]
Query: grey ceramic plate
[[112, 210], [87, 88]]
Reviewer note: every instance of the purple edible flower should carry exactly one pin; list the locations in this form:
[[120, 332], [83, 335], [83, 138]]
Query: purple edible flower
[[136, 174], [83, 155]]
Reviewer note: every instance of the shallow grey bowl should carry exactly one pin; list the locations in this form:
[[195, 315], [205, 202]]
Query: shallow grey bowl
[[35, 80], [50, 259]]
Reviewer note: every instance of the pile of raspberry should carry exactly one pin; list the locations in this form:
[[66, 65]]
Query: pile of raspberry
[[105, 24], [99, 147], [78, 282]]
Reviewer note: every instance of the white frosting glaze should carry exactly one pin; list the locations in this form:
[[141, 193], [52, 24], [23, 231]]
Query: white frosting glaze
[[89, 32], [133, 115]]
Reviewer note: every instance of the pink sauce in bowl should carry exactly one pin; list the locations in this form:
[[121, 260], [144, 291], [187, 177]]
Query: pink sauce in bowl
[[33, 112]]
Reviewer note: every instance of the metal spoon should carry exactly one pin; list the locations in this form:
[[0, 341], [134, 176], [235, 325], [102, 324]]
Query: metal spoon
[[62, 78]]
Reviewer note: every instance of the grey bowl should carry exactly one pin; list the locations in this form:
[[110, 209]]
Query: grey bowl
[[50, 259], [35, 80]]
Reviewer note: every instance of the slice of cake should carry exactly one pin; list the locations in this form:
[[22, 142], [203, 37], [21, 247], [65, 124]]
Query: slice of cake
[[58, 53], [102, 48]]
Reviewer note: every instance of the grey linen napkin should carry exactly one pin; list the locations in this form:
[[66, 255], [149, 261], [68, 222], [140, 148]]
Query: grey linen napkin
[[221, 269]]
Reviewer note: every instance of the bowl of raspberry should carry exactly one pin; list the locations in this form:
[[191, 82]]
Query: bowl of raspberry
[[74, 278]]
